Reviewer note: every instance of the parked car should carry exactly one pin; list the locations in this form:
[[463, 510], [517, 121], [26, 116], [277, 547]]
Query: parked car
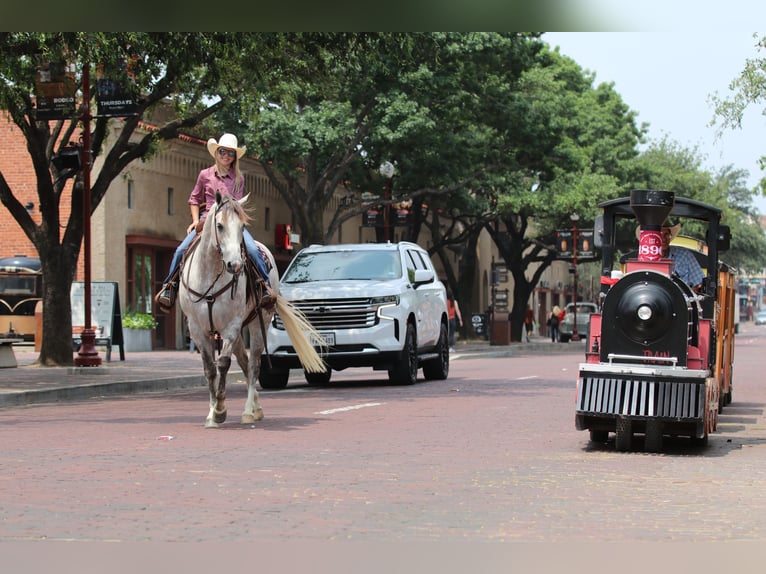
[[566, 327], [375, 305], [760, 318]]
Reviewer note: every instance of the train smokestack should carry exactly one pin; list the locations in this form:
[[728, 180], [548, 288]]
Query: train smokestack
[[651, 209]]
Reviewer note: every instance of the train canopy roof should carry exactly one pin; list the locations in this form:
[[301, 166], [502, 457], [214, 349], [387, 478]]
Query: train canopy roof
[[20, 264], [683, 207]]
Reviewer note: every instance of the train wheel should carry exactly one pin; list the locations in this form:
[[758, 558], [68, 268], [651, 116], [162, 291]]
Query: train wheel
[[600, 436], [623, 434], [697, 441], [653, 439]]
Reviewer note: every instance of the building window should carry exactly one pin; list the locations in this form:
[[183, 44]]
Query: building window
[[131, 198], [140, 281], [170, 201], [267, 219]]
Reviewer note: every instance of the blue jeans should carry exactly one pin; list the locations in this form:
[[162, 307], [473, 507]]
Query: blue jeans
[[250, 246]]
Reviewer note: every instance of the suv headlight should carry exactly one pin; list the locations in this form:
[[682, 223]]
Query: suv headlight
[[384, 303]]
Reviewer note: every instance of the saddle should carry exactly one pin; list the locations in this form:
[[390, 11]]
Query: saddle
[[256, 283]]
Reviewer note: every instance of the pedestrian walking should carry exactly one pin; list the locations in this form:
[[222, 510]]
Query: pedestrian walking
[[553, 323], [455, 319], [529, 321]]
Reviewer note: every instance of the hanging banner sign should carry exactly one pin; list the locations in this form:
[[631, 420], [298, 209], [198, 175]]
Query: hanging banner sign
[[402, 217], [565, 244], [115, 97], [55, 91], [372, 218], [585, 243]]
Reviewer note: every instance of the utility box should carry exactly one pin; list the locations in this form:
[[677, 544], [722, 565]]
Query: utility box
[[500, 329]]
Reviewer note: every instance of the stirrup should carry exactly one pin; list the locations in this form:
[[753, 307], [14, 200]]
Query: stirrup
[[166, 298]]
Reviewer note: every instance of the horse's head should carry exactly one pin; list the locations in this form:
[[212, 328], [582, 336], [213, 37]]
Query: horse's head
[[229, 220]]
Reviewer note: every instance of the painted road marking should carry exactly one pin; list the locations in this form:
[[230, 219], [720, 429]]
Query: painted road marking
[[351, 408]]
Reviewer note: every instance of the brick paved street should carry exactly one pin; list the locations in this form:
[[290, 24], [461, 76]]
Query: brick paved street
[[489, 456]]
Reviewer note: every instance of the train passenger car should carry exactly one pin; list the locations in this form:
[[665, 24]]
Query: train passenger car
[[21, 287], [660, 353]]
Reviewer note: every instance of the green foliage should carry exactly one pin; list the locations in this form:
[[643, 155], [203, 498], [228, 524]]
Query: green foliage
[[133, 320], [749, 88], [666, 164]]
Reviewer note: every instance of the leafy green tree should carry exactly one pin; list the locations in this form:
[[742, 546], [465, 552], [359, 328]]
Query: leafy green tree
[[578, 144], [186, 72], [666, 164], [749, 88]]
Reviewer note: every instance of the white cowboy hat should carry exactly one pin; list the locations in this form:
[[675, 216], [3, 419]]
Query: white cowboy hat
[[227, 141]]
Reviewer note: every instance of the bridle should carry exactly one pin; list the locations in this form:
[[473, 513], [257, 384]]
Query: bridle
[[233, 283]]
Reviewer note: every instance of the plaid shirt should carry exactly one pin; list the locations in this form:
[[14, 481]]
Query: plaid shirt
[[686, 266]]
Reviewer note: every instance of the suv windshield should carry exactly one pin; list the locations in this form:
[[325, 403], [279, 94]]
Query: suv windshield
[[343, 266]]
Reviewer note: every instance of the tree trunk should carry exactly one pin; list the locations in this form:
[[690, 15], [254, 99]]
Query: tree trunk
[[57, 311]]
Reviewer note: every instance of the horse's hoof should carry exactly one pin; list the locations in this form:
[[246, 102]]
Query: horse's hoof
[[210, 424], [250, 418], [219, 417]]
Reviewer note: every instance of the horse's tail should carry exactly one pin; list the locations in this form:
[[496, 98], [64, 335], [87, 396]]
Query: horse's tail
[[301, 332]]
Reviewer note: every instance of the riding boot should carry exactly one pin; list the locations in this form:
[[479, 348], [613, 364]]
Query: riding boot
[[166, 298]]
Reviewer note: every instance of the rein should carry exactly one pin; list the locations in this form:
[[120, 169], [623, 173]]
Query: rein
[[209, 297]]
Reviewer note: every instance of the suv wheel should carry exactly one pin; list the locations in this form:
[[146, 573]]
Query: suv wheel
[[318, 378], [438, 369], [406, 372], [272, 379]]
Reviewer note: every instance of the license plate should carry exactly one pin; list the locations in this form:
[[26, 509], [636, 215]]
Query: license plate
[[327, 339]]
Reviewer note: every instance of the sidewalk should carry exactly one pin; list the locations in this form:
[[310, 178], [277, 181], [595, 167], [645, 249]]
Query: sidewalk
[[163, 370]]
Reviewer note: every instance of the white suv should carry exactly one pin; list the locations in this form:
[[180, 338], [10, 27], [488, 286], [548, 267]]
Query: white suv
[[376, 305]]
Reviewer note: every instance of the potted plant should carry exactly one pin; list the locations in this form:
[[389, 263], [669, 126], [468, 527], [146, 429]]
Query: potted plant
[[137, 331]]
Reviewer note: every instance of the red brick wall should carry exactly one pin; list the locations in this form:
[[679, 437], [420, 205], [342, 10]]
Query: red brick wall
[[16, 167]]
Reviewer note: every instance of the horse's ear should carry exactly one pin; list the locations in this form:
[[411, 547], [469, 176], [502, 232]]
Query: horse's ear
[[243, 201], [218, 197]]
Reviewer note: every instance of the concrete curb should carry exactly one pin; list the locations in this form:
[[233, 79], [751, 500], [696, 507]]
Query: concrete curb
[[97, 390]]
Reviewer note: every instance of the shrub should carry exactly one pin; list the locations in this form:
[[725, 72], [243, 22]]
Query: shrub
[[133, 320]]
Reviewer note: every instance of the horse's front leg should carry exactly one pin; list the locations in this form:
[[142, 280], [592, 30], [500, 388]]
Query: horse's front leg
[[211, 374], [224, 363], [253, 411]]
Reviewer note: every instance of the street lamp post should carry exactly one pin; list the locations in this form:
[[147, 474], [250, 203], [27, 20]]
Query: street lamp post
[[387, 171], [88, 355], [575, 218]]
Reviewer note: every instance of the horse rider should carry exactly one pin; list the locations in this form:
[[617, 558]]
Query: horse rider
[[225, 177]]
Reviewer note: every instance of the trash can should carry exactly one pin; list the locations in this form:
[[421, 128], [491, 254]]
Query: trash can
[[500, 330]]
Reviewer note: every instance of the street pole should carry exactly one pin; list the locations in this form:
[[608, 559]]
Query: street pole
[[574, 217], [87, 355], [387, 171]]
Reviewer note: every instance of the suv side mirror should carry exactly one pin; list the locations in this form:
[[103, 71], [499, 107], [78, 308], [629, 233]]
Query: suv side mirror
[[422, 276]]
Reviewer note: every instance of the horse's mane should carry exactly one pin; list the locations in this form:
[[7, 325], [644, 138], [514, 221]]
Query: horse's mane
[[229, 203]]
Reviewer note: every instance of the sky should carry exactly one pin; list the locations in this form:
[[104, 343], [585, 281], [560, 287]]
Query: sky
[[668, 76]]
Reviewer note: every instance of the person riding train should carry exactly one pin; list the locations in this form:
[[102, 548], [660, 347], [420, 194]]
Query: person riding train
[[685, 265]]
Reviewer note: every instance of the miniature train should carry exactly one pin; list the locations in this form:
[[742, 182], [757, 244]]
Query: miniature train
[[659, 354], [21, 287]]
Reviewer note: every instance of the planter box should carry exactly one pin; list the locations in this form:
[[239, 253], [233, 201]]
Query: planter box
[[137, 340]]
